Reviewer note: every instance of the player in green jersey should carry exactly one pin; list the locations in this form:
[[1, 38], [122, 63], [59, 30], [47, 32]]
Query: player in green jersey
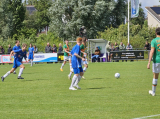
[[66, 55], [155, 53]]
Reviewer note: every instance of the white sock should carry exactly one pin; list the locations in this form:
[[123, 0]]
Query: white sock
[[62, 65], [20, 71], [6, 74], [154, 84], [31, 63], [14, 71], [84, 69], [70, 66], [70, 74], [77, 81], [73, 80]]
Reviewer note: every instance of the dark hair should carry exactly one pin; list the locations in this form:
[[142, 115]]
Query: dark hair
[[158, 31], [66, 40], [17, 41]]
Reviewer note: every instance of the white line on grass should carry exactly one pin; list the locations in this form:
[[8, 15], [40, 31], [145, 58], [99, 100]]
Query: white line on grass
[[147, 116]]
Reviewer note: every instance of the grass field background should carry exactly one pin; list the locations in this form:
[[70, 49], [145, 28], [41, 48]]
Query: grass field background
[[45, 94]]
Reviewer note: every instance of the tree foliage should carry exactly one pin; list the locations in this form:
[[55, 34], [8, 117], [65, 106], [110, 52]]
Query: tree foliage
[[67, 16], [138, 35], [11, 16]]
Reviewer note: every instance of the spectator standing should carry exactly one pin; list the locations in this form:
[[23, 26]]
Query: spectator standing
[[116, 49], [9, 49], [108, 47], [97, 54], [112, 49], [60, 49], [147, 47], [129, 47], [35, 49], [48, 48], [122, 47], [1, 52], [54, 48]]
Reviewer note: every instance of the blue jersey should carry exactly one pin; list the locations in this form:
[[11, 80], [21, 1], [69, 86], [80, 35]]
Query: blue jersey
[[19, 55], [16, 48], [30, 50], [76, 62]]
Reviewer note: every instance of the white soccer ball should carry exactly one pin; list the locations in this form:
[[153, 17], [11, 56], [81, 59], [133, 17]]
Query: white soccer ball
[[117, 75]]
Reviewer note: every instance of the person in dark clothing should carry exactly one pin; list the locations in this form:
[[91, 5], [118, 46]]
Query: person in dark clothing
[[97, 54], [54, 48], [147, 46], [60, 48], [116, 49], [1, 52], [35, 49], [48, 48], [9, 49]]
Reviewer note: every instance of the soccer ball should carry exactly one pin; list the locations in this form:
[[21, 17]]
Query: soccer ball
[[117, 75]]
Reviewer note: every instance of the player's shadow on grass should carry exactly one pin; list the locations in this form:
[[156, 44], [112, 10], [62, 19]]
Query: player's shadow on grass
[[96, 88], [95, 78]]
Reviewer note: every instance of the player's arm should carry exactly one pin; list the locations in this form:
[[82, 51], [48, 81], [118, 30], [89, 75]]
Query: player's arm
[[11, 53], [150, 57], [79, 56], [84, 53]]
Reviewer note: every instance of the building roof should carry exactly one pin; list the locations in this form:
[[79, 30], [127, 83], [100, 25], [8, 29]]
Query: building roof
[[155, 12], [30, 8]]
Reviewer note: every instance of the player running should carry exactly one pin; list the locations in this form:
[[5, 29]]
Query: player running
[[76, 64], [16, 47], [155, 53], [66, 55], [31, 54], [84, 55], [19, 54]]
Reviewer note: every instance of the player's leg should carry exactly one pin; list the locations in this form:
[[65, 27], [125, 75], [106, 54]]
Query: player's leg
[[22, 67], [85, 69], [79, 78], [156, 70], [8, 73], [65, 60], [70, 74], [75, 77], [70, 64]]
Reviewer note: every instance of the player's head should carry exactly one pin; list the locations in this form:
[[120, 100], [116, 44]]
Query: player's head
[[17, 42], [79, 40], [24, 47], [66, 41], [84, 40], [158, 31], [30, 45], [48, 44]]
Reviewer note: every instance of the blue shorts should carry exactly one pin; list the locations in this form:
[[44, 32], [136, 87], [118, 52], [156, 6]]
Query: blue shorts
[[16, 64], [30, 56], [78, 70]]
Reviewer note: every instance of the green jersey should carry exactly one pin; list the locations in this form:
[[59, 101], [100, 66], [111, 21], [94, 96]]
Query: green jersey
[[82, 47], [156, 44], [67, 48]]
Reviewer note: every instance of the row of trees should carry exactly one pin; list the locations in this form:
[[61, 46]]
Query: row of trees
[[65, 17]]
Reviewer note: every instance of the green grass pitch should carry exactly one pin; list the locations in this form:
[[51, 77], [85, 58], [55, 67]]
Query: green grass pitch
[[45, 94]]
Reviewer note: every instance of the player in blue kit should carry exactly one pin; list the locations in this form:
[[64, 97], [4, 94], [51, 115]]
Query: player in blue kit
[[16, 47], [31, 54], [19, 54], [76, 65]]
